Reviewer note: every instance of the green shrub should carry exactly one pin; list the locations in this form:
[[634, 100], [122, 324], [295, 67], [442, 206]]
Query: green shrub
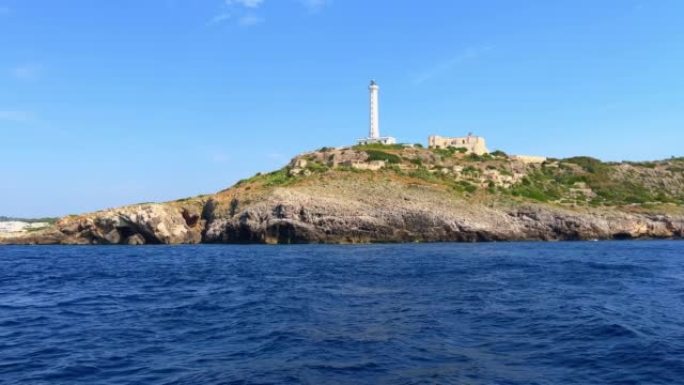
[[588, 163], [277, 178], [643, 164], [568, 179], [620, 193], [531, 192], [274, 178], [538, 186], [316, 167], [378, 146], [393, 167], [449, 151], [504, 171], [424, 174], [465, 186], [381, 155], [470, 170], [443, 152]]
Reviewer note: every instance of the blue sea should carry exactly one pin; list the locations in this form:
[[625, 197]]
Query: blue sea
[[491, 313]]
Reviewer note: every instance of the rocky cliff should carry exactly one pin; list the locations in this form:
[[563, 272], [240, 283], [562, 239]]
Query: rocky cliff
[[404, 194]]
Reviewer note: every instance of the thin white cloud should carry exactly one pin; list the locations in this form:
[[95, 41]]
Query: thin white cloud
[[27, 72], [448, 65], [245, 3], [16, 116], [220, 18], [250, 20], [242, 12], [315, 5]]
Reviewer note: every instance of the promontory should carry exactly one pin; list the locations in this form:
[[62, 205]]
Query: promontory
[[403, 193]]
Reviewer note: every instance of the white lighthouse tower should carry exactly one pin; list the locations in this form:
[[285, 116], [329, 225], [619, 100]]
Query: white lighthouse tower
[[374, 129], [374, 111]]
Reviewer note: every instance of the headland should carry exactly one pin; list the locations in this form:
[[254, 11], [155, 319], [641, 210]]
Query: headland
[[404, 193]]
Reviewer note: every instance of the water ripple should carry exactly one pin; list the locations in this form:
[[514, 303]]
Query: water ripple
[[519, 313]]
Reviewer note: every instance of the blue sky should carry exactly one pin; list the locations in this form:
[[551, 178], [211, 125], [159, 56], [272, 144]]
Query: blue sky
[[105, 103]]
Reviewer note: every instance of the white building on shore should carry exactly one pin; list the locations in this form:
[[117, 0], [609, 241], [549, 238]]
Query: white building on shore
[[374, 127]]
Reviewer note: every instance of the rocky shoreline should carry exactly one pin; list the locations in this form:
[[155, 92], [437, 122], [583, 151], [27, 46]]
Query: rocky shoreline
[[413, 195], [281, 221]]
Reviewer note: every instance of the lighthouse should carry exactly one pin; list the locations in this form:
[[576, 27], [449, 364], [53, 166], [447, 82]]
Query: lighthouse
[[374, 126], [374, 132]]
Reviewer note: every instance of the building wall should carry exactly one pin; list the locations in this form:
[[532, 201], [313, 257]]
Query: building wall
[[474, 144], [529, 159]]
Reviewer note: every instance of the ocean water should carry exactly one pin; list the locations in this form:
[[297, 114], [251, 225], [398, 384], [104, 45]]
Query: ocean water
[[495, 313]]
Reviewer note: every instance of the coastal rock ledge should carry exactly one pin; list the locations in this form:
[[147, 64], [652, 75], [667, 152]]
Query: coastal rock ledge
[[320, 220], [319, 198]]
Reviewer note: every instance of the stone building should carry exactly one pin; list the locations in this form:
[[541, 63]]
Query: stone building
[[472, 144], [529, 159]]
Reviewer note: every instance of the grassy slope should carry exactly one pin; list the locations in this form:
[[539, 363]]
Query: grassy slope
[[574, 182]]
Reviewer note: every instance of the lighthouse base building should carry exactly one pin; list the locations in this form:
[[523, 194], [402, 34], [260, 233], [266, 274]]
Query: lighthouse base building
[[381, 140]]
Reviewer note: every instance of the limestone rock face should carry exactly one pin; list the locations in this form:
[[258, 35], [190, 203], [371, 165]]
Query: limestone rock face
[[132, 225], [290, 217], [352, 210]]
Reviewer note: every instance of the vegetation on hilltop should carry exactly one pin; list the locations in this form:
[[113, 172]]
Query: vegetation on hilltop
[[275, 178], [572, 181], [380, 146], [28, 220]]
